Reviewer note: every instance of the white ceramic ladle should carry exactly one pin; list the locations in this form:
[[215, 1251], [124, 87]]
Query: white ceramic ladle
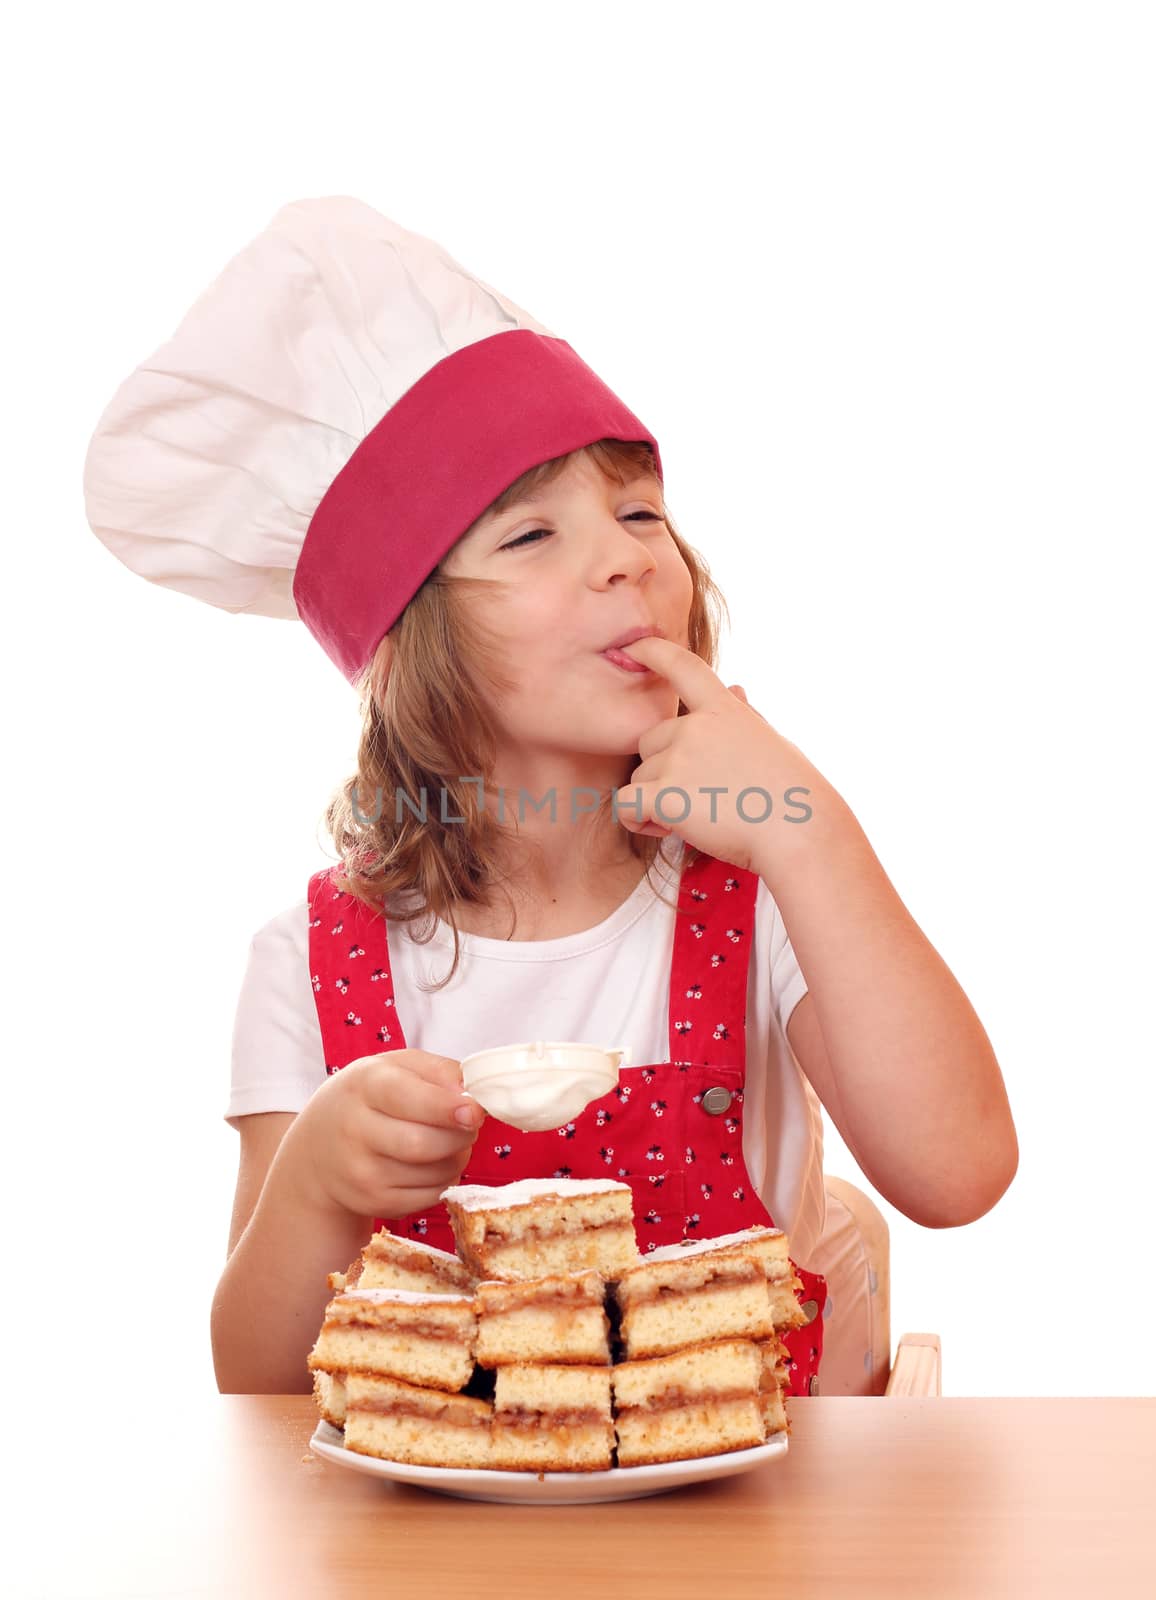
[[542, 1085]]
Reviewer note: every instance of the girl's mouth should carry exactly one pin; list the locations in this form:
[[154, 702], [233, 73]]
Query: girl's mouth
[[619, 658]]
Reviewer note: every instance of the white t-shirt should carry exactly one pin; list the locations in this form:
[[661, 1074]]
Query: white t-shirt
[[609, 985]]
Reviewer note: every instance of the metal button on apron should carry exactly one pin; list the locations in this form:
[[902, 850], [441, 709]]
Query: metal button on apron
[[810, 1309], [813, 1386], [717, 1100]]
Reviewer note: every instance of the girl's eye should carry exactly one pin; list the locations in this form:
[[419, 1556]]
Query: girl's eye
[[514, 543]]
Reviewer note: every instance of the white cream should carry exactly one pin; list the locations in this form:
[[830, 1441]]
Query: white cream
[[535, 1087]]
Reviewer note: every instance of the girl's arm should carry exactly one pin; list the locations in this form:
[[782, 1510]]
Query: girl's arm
[[885, 1034], [273, 1292], [894, 1049], [382, 1137]]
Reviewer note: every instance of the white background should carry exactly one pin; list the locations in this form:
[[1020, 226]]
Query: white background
[[879, 278]]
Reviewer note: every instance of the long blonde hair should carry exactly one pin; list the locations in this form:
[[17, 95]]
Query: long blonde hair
[[423, 723]]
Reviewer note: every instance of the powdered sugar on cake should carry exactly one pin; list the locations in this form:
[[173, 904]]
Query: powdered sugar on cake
[[479, 1197], [424, 1249], [694, 1247], [410, 1297]]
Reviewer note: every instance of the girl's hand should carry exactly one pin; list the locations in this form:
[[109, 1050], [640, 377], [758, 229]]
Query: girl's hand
[[722, 743], [381, 1138]]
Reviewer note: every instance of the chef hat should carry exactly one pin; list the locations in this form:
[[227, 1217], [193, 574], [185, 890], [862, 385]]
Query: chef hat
[[335, 410]]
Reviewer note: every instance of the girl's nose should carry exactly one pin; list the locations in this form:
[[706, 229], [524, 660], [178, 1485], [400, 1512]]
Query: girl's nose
[[616, 552]]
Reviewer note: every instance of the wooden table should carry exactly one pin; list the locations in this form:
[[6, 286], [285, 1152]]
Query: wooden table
[[877, 1497]]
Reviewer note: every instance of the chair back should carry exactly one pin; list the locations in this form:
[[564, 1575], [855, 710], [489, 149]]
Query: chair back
[[854, 1255]]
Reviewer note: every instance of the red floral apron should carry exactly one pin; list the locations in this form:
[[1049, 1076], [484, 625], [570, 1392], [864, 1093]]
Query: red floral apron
[[672, 1130]]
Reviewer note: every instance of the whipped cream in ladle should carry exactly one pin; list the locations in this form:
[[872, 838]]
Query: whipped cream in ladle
[[535, 1087]]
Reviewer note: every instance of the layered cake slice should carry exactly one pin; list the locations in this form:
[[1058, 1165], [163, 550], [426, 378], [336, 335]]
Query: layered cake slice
[[769, 1246], [561, 1318], [543, 1226], [391, 1262], [552, 1419], [664, 1306], [700, 1401], [421, 1338], [401, 1421]]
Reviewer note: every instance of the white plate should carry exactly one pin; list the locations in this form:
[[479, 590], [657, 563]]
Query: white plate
[[552, 1488]]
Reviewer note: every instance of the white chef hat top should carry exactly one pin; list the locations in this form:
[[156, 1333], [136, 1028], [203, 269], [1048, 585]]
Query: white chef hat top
[[333, 412]]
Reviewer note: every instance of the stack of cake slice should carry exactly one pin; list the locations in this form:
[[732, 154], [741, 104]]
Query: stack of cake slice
[[550, 1344], [547, 1341], [404, 1358], [387, 1262], [542, 1249], [703, 1364]]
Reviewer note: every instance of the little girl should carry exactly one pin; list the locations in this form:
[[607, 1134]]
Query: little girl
[[562, 825]]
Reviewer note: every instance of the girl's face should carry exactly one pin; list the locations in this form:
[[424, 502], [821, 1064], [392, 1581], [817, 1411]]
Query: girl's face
[[584, 561]]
